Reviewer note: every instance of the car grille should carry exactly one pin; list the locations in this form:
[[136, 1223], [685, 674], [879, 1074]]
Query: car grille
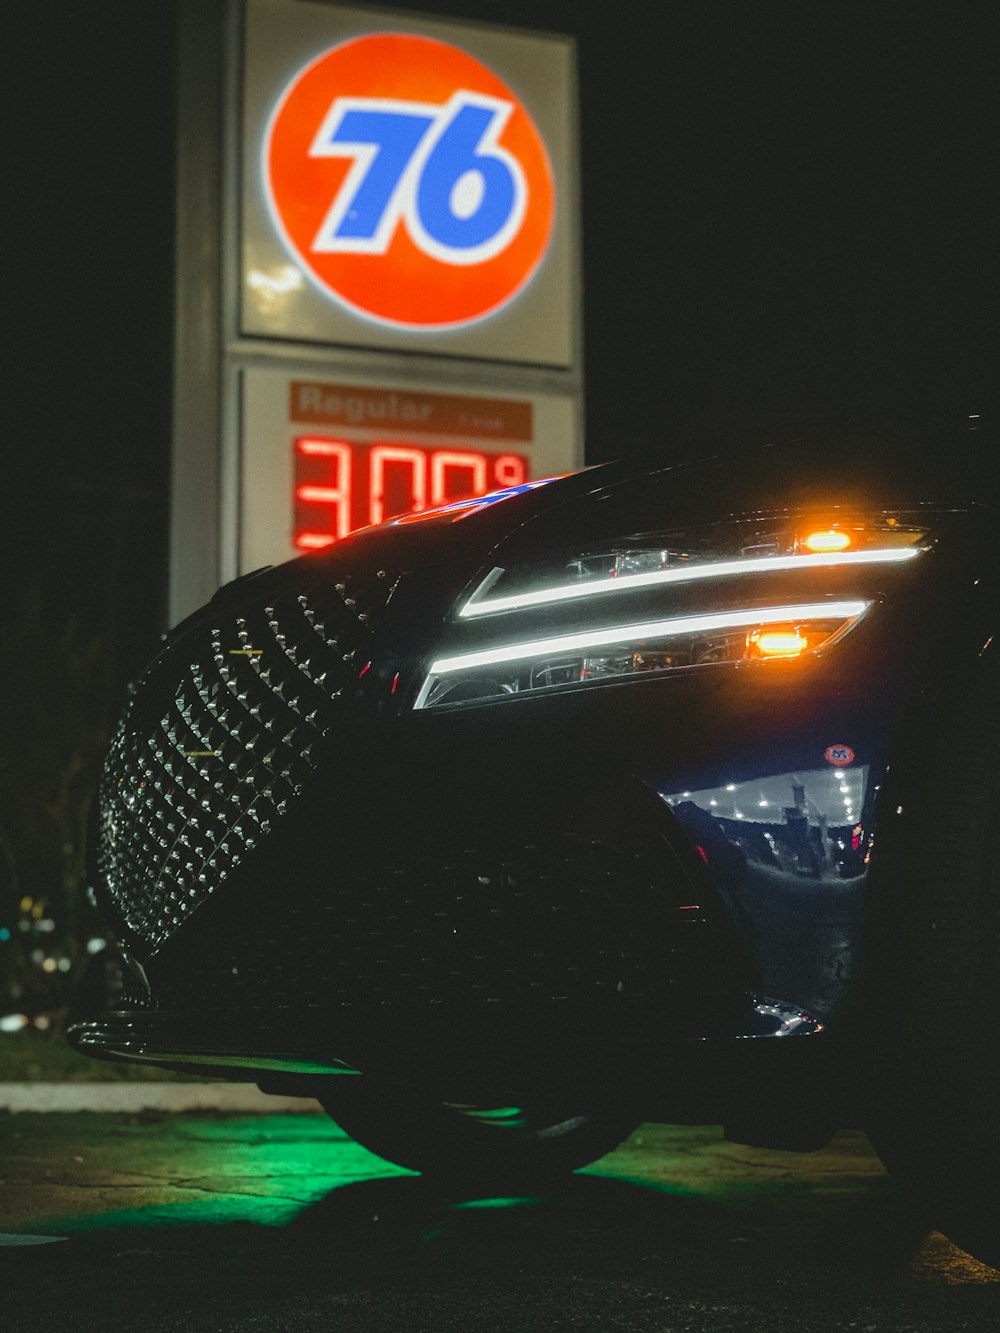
[[220, 736], [550, 921]]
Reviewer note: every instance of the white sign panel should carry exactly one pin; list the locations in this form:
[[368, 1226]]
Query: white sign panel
[[408, 183]]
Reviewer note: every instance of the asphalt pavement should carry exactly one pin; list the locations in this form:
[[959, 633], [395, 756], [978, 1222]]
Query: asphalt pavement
[[163, 1222]]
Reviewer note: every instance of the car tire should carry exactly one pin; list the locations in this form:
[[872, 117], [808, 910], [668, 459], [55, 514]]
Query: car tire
[[933, 962], [499, 1147]]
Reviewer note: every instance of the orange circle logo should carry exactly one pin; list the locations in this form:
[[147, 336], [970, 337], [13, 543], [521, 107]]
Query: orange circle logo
[[839, 755], [409, 181]]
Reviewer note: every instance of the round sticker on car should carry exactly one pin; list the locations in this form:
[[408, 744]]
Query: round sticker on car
[[840, 755], [409, 181]]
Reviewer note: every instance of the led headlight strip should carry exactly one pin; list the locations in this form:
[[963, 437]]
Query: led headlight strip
[[479, 605], [847, 611]]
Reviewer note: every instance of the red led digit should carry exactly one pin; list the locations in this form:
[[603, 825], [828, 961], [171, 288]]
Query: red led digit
[[509, 470], [340, 486], [331, 495], [381, 458], [471, 481]]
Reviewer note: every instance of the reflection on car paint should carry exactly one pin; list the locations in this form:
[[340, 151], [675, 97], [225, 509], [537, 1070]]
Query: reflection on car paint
[[805, 824], [786, 852]]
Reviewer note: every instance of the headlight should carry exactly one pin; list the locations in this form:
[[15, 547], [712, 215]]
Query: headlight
[[742, 590]]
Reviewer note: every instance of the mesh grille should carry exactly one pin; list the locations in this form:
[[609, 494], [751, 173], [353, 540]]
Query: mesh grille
[[209, 754], [554, 921]]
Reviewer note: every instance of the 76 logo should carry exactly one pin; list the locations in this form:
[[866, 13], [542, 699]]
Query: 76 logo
[[437, 170]]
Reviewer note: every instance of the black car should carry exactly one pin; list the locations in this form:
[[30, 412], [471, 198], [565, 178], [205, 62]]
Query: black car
[[647, 793]]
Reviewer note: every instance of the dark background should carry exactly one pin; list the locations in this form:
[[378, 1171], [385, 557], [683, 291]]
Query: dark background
[[787, 208]]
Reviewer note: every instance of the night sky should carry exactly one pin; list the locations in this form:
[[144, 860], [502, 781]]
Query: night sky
[[787, 208]]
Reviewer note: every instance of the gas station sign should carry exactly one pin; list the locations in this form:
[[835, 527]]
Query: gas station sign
[[323, 458], [378, 287], [407, 182]]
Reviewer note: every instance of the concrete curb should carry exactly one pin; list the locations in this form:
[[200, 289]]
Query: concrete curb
[[230, 1098]]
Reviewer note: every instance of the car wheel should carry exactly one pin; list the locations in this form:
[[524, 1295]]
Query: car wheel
[[934, 968], [477, 1146]]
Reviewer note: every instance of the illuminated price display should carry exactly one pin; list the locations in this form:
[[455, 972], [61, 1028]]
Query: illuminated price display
[[341, 485], [321, 456]]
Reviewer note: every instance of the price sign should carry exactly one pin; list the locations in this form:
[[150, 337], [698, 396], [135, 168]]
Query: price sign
[[341, 486], [321, 458]]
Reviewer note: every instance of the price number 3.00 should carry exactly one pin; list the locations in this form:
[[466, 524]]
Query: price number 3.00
[[340, 486]]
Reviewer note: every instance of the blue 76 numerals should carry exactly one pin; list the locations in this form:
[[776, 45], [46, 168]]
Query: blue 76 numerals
[[437, 169]]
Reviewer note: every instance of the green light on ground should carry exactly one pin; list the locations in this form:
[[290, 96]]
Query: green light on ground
[[501, 1201], [117, 1172]]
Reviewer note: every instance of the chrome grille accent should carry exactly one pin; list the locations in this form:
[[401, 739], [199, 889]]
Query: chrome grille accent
[[220, 736]]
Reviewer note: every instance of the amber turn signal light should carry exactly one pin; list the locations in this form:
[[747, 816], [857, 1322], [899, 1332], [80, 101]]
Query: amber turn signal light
[[777, 641], [827, 539]]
